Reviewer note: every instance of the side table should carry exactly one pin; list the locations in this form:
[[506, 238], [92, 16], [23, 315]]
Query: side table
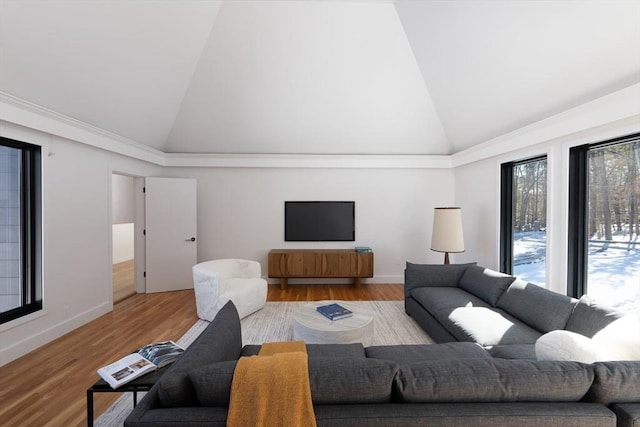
[[143, 383]]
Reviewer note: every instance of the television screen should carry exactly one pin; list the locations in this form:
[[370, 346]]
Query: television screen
[[319, 221]]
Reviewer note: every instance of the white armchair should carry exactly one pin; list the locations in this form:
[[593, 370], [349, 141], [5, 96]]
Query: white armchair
[[217, 282]]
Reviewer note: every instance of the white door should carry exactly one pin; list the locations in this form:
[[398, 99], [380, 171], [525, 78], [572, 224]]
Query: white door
[[170, 224]]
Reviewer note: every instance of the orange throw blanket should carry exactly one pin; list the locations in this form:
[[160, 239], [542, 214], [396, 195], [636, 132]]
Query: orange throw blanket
[[272, 389]]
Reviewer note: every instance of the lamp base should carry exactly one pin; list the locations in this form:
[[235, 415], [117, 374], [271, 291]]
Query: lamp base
[[446, 257]]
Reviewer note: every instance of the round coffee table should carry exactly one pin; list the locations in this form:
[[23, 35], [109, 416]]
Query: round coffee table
[[313, 328]]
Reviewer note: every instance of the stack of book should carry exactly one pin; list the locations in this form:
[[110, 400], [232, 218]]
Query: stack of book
[[363, 249]]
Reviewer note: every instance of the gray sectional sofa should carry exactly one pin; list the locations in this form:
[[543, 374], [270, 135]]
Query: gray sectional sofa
[[450, 384], [505, 315]]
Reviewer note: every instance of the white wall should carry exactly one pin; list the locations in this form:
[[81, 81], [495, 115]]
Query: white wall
[[77, 239], [241, 211]]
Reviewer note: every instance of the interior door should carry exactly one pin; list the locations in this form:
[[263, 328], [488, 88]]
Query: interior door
[[170, 224]]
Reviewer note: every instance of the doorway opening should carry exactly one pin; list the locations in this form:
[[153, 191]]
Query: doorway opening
[[123, 223]]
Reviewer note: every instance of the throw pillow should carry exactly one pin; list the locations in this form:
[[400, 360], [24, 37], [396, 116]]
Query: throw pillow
[[589, 317], [333, 380], [566, 345], [485, 283], [493, 380], [538, 307]]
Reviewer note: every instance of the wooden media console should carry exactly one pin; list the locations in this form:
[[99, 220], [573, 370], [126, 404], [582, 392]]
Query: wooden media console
[[285, 264]]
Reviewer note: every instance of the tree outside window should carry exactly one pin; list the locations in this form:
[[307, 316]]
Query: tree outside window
[[524, 219], [613, 224]]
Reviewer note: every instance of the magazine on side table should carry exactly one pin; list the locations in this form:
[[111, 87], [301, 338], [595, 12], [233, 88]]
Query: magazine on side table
[[148, 358]]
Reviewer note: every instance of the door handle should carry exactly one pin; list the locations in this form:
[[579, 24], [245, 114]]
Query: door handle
[[193, 239]]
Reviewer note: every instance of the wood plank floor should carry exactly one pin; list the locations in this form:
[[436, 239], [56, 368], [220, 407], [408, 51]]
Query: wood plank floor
[[47, 387]]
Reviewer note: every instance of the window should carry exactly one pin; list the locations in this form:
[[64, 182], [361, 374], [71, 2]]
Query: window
[[523, 213], [20, 231], [604, 222]]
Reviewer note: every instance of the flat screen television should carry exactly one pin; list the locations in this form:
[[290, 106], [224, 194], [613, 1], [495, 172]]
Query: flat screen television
[[319, 221]]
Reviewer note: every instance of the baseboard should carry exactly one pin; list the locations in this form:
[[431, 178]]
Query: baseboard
[[375, 279], [19, 349]]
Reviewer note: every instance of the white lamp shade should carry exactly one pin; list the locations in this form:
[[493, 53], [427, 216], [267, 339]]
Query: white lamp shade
[[447, 230]]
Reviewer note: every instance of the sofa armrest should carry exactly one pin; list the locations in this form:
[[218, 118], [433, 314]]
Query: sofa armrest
[[150, 401], [439, 275]]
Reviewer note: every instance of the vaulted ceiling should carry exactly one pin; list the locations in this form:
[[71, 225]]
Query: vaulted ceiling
[[313, 76]]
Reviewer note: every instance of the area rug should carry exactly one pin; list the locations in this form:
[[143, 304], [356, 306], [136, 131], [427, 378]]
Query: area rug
[[275, 323]]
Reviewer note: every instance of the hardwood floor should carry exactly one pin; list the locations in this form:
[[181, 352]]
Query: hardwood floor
[[47, 387]]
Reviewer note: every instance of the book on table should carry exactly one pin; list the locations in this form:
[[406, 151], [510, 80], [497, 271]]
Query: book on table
[[334, 311], [148, 358]]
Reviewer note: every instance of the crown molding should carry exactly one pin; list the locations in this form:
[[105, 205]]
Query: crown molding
[[308, 161], [33, 116]]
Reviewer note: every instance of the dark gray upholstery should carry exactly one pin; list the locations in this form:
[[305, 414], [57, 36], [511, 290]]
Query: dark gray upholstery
[[175, 388], [552, 310], [615, 382], [434, 298], [486, 326], [419, 275], [484, 283], [523, 313], [493, 380], [530, 414], [417, 353], [212, 383], [628, 414], [513, 351], [589, 317], [345, 380], [422, 317]]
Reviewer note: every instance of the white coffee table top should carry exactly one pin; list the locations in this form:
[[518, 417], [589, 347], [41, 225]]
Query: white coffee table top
[[314, 328]]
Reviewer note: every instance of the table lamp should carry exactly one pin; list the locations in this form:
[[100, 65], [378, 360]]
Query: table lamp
[[447, 231]]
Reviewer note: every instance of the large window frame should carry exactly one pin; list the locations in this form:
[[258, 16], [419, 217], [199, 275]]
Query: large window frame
[[578, 213], [30, 233], [507, 206]]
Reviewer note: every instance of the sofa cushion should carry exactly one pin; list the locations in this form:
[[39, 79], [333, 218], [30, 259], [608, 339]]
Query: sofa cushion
[[403, 354], [333, 380], [434, 299], [541, 308], [418, 275], [220, 341], [589, 317], [493, 380], [486, 326], [484, 283], [615, 382], [351, 380], [355, 350]]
